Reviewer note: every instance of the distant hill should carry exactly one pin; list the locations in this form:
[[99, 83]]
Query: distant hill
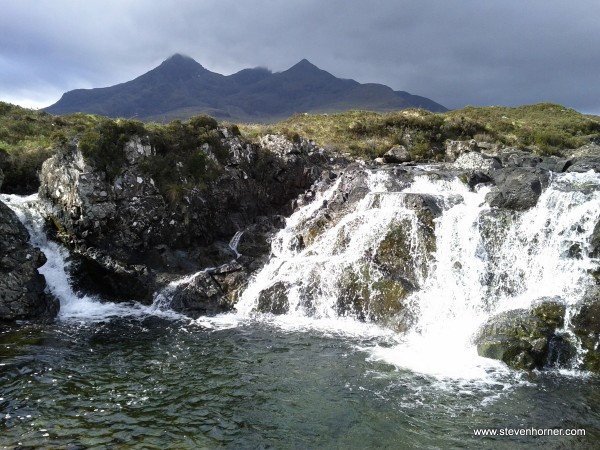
[[181, 88]]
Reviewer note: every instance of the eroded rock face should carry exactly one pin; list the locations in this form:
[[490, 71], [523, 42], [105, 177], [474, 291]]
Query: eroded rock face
[[22, 287]]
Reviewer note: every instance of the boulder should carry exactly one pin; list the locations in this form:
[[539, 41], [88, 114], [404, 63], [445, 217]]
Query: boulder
[[527, 338], [129, 233], [476, 162], [516, 337], [397, 154], [22, 287], [517, 189]]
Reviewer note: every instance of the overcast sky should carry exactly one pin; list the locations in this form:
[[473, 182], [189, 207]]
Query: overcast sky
[[456, 52]]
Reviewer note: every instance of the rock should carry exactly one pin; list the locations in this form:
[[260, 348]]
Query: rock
[[554, 164], [474, 161], [22, 287], [551, 310], [584, 164], [200, 296], [397, 154], [282, 146], [94, 272], [586, 326], [595, 242], [1, 178], [128, 234], [516, 337], [516, 188], [456, 148], [274, 299], [513, 157], [527, 339], [367, 294]]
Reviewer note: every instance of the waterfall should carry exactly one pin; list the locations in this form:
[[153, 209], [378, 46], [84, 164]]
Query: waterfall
[[74, 306], [485, 261], [235, 242]]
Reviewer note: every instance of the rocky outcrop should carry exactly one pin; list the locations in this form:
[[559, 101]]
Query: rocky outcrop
[[129, 232], [22, 287]]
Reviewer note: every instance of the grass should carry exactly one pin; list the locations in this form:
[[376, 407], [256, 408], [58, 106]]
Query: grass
[[28, 137], [545, 129]]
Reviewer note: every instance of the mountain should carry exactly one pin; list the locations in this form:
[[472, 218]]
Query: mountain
[[180, 88]]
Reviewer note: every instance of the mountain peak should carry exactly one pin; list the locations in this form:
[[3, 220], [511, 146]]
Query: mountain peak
[[180, 60], [304, 65]]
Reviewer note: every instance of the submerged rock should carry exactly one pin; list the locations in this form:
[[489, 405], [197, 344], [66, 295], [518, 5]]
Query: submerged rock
[[22, 287]]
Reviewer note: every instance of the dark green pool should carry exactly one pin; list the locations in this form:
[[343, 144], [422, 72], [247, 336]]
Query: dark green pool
[[152, 382]]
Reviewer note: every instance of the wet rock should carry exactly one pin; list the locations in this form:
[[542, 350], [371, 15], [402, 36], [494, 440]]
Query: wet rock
[[200, 296], [274, 299], [367, 294], [527, 338], [22, 287], [586, 326], [516, 189], [551, 310], [94, 272], [595, 242], [517, 337]]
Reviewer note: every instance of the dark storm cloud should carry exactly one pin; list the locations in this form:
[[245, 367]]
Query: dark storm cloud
[[456, 52]]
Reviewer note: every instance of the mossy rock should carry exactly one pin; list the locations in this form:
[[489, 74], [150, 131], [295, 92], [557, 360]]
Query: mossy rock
[[516, 337], [368, 295], [551, 310], [394, 255]]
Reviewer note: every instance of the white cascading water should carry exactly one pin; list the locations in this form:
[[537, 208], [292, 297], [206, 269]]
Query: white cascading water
[[485, 261]]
